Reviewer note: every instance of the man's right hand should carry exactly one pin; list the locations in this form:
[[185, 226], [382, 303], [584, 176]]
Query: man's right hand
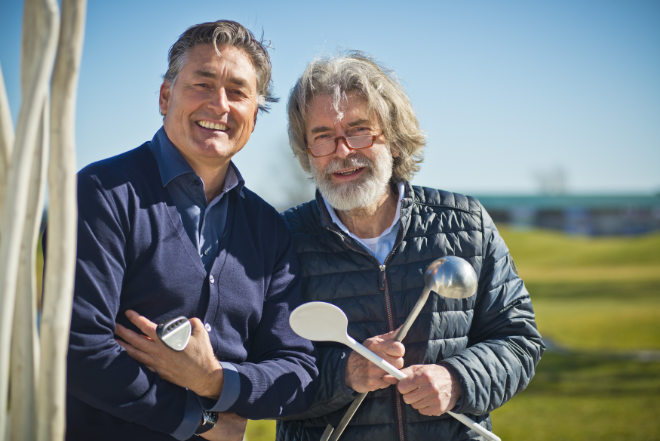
[[230, 427], [364, 376]]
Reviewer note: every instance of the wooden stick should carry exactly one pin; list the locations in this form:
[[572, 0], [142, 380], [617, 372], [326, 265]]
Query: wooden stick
[[24, 354], [12, 227], [62, 222]]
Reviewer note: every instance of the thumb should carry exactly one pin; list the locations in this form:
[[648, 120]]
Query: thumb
[[197, 326]]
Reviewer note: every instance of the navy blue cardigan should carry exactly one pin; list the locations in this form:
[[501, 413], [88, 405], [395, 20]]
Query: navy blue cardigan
[[133, 253]]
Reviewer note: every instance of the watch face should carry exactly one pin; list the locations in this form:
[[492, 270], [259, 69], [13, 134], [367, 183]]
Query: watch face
[[209, 419]]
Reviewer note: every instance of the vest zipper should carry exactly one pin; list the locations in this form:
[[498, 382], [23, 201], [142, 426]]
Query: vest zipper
[[383, 286]]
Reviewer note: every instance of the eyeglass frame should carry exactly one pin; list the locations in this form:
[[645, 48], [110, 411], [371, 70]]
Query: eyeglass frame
[[346, 143]]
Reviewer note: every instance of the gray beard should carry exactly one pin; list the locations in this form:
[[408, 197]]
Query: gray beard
[[362, 193]]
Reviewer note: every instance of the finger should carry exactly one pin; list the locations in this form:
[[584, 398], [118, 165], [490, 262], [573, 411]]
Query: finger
[[415, 397], [406, 385], [429, 407], [197, 326], [395, 349], [142, 323], [389, 379], [136, 354], [129, 336]]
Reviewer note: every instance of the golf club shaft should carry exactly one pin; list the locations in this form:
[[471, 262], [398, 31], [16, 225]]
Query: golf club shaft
[[333, 435]]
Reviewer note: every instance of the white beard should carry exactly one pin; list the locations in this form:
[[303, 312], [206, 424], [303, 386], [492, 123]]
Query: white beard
[[361, 193]]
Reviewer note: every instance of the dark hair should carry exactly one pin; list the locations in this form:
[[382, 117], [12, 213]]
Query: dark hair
[[220, 33]]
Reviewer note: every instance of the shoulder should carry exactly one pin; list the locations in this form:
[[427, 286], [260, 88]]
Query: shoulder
[[443, 199], [259, 213], [303, 218], [138, 163]]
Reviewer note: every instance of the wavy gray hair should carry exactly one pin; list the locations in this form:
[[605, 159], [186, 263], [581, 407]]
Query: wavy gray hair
[[220, 33], [386, 99]]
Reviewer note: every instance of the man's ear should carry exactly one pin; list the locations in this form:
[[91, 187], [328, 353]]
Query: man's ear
[[256, 112], [394, 151], [164, 97]]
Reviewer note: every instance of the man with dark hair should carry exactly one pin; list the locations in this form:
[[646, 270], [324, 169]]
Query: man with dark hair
[[168, 229], [364, 244]]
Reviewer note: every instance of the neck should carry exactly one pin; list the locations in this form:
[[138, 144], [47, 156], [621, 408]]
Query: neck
[[212, 175], [214, 182], [371, 221]]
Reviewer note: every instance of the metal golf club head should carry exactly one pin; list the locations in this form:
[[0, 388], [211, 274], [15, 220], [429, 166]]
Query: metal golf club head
[[451, 277]]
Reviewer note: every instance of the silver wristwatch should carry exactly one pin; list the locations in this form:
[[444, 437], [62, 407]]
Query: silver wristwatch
[[208, 422]]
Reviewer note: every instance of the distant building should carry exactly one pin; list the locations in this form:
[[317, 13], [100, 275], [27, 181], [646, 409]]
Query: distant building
[[578, 214]]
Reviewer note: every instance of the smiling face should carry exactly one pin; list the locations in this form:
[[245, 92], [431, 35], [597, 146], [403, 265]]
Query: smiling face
[[211, 107], [348, 179]]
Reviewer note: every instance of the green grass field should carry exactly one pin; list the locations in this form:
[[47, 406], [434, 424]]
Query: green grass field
[[598, 301]]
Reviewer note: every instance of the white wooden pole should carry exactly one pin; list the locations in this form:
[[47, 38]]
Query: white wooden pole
[[6, 140], [62, 222], [24, 354], [18, 178]]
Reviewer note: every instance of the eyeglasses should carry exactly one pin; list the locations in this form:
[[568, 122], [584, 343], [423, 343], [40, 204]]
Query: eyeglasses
[[327, 147]]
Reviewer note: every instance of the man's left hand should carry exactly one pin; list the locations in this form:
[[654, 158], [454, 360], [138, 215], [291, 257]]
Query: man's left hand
[[429, 388], [195, 368]]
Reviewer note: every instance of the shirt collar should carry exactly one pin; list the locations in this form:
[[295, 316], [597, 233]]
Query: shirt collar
[[171, 164]]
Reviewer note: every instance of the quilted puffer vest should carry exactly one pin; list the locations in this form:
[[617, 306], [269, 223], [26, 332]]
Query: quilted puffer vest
[[377, 299]]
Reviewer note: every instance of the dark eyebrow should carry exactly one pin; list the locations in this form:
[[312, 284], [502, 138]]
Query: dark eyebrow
[[239, 82]]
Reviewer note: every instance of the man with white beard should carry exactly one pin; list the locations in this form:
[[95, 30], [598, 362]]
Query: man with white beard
[[364, 243]]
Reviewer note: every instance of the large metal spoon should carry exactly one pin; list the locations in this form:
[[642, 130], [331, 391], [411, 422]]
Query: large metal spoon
[[321, 321]]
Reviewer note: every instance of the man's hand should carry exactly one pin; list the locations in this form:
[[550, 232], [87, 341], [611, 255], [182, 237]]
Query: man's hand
[[230, 427], [429, 388], [195, 368], [364, 376]]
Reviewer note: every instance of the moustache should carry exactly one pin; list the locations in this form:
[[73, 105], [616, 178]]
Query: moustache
[[354, 161]]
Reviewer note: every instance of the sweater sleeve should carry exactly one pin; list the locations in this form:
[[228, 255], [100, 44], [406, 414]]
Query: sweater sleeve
[[504, 344], [100, 373], [332, 393]]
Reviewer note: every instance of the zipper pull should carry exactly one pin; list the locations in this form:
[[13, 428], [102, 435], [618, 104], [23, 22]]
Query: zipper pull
[[381, 277]]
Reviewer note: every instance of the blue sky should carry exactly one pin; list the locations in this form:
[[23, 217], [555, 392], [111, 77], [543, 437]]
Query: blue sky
[[506, 91]]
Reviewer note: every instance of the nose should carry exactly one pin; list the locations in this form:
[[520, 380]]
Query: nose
[[342, 150], [220, 101]]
